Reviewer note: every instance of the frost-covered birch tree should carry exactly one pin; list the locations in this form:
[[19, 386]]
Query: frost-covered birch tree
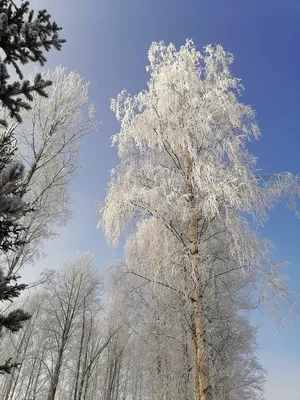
[[157, 360], [187, 182], [49, 144], [160, 323]]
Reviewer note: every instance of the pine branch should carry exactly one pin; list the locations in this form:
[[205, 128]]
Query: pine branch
[[8, 366], [14, 320], [24, 38]]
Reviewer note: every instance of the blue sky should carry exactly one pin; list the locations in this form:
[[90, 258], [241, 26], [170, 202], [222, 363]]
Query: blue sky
[[108, 43]]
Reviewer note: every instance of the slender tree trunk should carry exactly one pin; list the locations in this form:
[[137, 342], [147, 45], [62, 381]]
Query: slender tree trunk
[[80, 354], [14, 379], [200, 368], [199, 362], [8, 386], [30, 382], [118, 381], [35, 385], [86, 366], [106, 374], [83, 376], [109, 379], [86, 386], [55, 377], [186, 378]]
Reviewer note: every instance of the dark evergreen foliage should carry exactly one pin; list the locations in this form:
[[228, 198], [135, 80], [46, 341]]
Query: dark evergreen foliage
[[10, 227], [8, 366], [24, 37]]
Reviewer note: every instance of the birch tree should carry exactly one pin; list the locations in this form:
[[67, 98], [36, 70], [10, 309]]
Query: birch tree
[[159, 321], [49, 142], [60, 345], [69, 290], [159, 361], [185, 170]]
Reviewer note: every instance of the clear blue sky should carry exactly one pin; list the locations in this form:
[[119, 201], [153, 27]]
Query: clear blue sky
[[108, 43]]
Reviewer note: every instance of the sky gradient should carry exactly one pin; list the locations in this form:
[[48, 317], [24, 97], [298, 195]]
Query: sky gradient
[[108, 43]]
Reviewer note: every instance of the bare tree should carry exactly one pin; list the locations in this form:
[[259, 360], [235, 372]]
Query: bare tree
[[68, 298], [28, 350], [70, 290]]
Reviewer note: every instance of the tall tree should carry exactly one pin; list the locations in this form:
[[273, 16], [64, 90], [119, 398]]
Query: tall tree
[[70, 291], [49, 144], [184, 163], [161, 328]]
